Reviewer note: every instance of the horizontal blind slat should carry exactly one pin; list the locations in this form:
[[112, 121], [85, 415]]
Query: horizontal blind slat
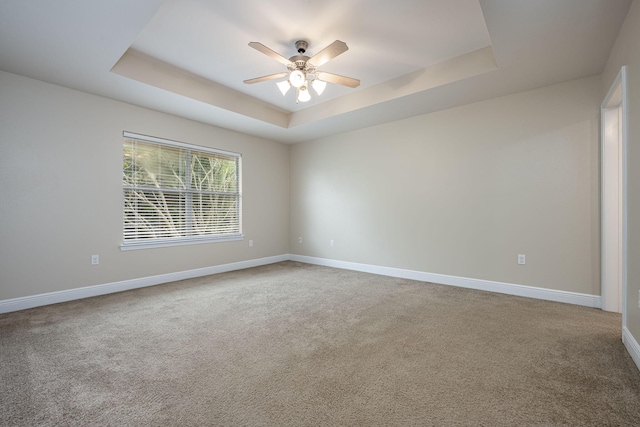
[[164, 200]]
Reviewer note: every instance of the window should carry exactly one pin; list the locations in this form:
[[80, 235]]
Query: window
[[176, 193]]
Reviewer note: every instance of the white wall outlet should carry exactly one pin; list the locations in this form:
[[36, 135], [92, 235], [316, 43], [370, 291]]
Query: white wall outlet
[[300, 240], [332, 243], [250, 243], [95, 259], [522, 259]]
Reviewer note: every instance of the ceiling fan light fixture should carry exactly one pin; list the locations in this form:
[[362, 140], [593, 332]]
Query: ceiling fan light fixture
[[318, 86], [303, 94], [284, 86], [302, 71], [297, 78]]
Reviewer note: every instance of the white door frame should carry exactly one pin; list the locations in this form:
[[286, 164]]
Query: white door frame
[[613, 127]]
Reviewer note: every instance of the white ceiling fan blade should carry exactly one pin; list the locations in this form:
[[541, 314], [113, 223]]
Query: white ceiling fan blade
[[328, 53], [337, 79], [264, 78], [262, 48]]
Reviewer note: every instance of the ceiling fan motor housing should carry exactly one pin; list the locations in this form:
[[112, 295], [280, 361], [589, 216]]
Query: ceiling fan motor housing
[[299, 62]]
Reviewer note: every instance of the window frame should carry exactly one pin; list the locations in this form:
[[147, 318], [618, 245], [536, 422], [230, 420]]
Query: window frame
[[156, 242]]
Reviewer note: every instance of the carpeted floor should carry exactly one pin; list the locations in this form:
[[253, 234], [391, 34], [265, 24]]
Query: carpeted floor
[[292, 344]]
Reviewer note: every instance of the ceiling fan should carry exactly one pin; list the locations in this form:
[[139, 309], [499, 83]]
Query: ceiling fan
[[302, 69]]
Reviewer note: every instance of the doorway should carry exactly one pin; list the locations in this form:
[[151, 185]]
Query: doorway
[[613, 202]]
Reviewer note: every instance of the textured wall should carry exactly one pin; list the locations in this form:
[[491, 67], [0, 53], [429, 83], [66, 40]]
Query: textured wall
[[627, 52], [61, 192], [462, 191]]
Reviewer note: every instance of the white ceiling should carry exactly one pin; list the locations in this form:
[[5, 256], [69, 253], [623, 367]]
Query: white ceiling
[[189, 57]]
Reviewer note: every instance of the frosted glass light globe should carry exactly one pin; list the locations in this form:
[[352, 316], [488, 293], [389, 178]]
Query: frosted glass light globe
[[318, 86], [297, 78], [304, 95]]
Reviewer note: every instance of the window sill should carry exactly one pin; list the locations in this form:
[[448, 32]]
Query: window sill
[[162, 243]]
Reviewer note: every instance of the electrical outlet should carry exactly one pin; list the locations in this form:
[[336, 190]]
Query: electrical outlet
[[95, 259], [332, 243], [300, 240], [522, 259], [250, 243]]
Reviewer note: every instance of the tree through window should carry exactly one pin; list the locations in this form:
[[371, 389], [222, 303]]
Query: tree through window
[[178, 193]]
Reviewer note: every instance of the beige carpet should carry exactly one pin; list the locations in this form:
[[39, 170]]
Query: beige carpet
[[292, 344]]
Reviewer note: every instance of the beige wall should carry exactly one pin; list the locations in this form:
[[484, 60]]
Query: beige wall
[[462, 191], [627, 52], [458, 192], [61, 197]]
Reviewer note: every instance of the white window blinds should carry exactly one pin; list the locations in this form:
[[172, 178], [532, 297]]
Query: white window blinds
[[178, 193]]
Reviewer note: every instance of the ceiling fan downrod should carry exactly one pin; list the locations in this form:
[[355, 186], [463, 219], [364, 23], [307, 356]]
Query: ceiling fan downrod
[[302, 46]]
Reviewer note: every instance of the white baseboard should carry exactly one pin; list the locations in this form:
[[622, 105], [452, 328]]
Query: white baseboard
[[23, 303], [586, 300], [632, 346]]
